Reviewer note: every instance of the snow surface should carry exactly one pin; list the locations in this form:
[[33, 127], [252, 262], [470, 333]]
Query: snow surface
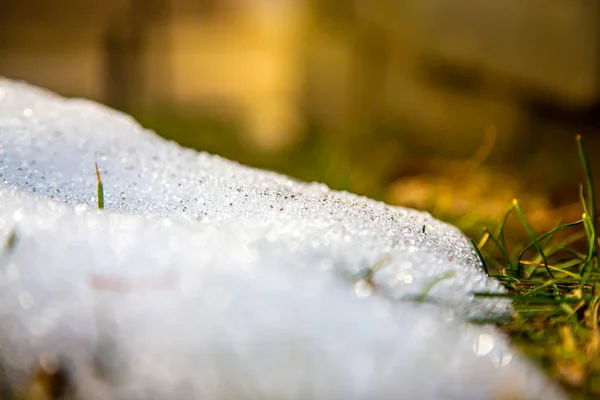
[[205, 279]]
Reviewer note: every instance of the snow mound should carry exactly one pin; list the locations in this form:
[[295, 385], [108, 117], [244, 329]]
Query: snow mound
[[206, 279]]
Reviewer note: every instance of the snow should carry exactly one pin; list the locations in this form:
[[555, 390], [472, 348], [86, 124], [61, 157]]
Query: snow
[[205, 279]]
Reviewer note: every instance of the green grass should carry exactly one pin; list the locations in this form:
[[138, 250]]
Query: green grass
[[554, 282], [100, 189]]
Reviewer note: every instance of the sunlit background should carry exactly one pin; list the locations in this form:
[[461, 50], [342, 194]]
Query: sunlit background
[[451, 106]]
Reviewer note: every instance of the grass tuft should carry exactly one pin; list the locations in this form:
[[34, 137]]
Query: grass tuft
[[554, 283]]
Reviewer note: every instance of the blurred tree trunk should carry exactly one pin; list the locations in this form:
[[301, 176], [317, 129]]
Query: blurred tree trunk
[[123, 45], [126, 45]]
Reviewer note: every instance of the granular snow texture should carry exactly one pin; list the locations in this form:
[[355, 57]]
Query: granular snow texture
[[205, 279]]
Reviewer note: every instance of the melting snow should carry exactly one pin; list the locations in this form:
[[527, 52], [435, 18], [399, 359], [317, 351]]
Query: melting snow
[[205, 279]]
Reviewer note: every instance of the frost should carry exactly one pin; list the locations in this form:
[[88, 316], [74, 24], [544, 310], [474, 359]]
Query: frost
[[205, 279]]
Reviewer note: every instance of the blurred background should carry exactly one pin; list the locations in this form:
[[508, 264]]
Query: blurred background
[[455, 107]]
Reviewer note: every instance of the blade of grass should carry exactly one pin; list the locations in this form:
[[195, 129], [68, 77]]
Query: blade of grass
[[550, 283], [478, 252], [547, 234], [564, 242], [590, 212], [554, 268], [506, 277], [587, 224], [521, 299], [500, 234], [589, 180], [545, 241], [572, 252], [100, 189], [532, 236], [498, 245], [484, 238], [591, 239], [425, 294]]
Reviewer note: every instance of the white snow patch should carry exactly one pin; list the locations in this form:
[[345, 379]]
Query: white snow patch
[[204, 279]]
